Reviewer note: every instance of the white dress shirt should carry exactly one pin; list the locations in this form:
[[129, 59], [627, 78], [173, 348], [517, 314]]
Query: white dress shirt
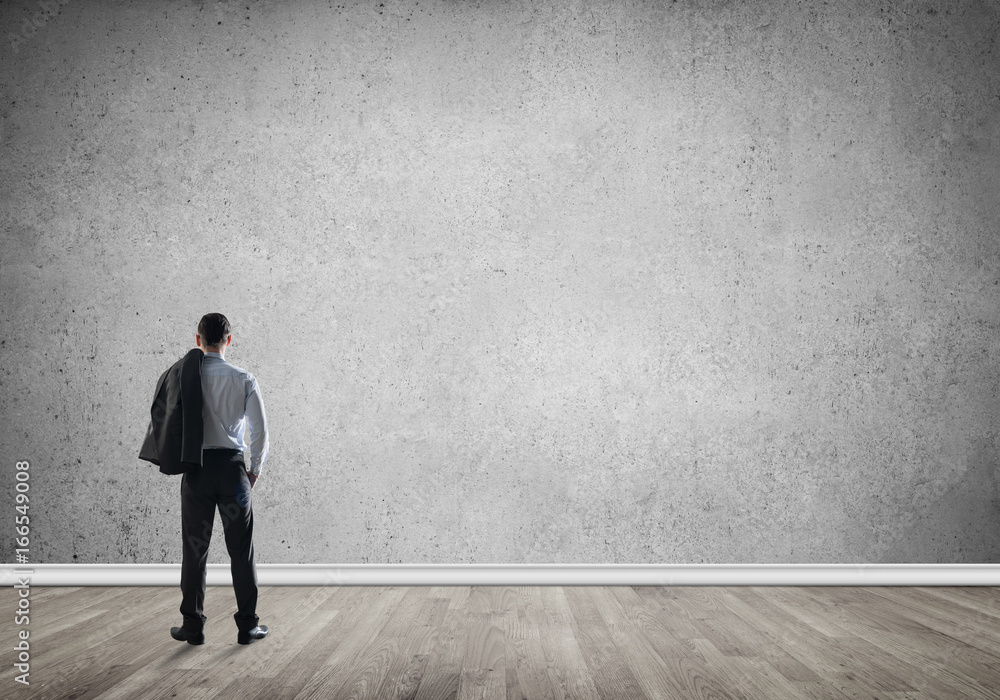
[[231, 404]]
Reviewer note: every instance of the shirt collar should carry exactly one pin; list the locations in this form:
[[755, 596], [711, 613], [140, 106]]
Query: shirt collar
[[213, 354]]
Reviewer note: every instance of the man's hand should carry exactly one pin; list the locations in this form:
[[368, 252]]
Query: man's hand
[[253, 478]]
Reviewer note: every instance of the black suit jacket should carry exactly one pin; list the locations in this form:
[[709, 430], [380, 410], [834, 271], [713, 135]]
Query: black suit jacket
[[174, 438]]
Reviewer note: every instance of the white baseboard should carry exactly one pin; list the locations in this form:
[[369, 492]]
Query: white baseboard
[[517, 574]]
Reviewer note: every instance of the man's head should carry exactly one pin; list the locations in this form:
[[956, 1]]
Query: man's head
[[213, 333]]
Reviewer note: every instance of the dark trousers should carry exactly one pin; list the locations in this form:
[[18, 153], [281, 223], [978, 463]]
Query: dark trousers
[[222, 481]]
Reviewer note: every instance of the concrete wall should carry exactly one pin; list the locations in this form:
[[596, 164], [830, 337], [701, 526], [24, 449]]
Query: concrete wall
[[521, 282]]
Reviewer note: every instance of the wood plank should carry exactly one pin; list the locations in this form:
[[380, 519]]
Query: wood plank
[[944, 616], [608, 668], [444, 663], [483, 672], [414, 638], [980, 601], [749, 677], [527, 668], [941, 665], [523, 642], [82, 662], [771, 637], [835, 659], [810, 609], [373, 607]]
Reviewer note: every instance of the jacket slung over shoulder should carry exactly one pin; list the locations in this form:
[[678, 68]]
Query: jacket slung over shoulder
[[174, 438]]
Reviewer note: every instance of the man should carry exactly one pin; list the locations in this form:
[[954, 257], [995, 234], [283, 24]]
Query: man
[[231, 403]]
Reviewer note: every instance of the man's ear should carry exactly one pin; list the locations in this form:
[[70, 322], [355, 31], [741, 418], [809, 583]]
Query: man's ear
[[197, 340], [229, 339]]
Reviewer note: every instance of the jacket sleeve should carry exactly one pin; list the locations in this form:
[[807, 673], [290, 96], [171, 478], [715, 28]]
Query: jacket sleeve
[[157, 412], [193, 431]]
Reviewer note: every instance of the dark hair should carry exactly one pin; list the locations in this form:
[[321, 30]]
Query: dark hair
[[213, 329]]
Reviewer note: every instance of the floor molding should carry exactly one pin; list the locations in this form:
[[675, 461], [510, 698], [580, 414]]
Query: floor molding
[[517, 574]]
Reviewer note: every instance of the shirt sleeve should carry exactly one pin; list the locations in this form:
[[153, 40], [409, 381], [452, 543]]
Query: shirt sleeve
[[257, 426]]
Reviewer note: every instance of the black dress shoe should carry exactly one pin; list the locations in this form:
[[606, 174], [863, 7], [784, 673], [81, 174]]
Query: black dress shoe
[[253, 635], [183, 635]]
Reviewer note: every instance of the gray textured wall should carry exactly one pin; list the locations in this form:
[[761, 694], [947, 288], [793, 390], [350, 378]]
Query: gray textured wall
[[521, 282]]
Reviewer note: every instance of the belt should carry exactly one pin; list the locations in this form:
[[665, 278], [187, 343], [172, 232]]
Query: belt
[[223, 450]]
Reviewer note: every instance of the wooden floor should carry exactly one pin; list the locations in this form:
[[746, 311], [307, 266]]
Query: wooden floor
[[516, 642]]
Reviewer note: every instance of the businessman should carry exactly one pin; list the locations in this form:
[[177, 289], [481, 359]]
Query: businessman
[[231, 404]]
